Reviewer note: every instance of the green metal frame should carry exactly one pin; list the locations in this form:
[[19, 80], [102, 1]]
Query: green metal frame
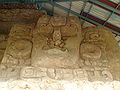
[[87, 12], [83, 7], [111, 14], [41, 1], [54, 4], [70, 7], [83, 17]]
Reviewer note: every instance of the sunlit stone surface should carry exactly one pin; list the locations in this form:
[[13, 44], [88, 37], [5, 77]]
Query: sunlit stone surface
[[57, 54], [56, 48]]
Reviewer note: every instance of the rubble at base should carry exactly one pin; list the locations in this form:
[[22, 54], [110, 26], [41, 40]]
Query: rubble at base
[[58, 85]]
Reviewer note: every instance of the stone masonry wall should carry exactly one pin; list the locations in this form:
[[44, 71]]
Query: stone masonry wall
[[57, 54]]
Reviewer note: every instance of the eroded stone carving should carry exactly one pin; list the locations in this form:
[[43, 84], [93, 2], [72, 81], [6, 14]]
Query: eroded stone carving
[[9, 17], [9, 73], [93, 46], [55, 54], [19, 46], [21, 49], [56, 49], [90, 51], [94, 51], [23, 14], [50, 73]]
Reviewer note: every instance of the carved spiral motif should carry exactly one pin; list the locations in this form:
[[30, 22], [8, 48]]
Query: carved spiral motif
[[94, 36]]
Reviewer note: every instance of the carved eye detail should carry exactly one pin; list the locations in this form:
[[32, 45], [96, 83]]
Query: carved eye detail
[[94, 36], [43, 25]]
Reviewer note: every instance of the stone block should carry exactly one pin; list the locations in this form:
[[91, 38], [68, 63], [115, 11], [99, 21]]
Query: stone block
[[19, 45], [54, 48]]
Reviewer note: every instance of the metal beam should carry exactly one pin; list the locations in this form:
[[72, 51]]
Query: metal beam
[[35, 1], [87, 12], [100, 21], [96, 2], [83, 17], [44, 1], [111, 14], [106, 7]]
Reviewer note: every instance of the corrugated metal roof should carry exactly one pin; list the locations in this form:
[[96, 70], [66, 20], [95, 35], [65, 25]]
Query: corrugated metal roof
[[88, 8]]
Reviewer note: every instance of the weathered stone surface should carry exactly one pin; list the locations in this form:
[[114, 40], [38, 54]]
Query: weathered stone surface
[[99, 48], [7, 74], [56, 55], [9, 17], [55, 74], [20, 14], [56, 50], [56, 85], [118, 39], [93, 48], [21, 49], [21, 31], [23, 85], [19, 45], [65, 74], [69, 27]]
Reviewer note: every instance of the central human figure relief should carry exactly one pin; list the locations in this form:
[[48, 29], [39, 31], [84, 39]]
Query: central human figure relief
[[59, 46]]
